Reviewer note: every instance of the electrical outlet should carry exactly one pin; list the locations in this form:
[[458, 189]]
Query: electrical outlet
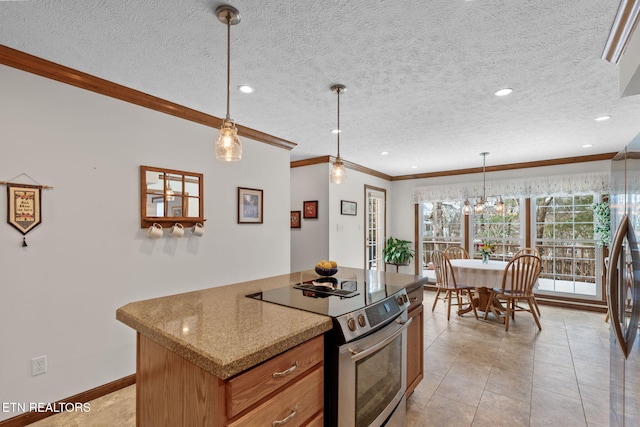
[[38, 365]]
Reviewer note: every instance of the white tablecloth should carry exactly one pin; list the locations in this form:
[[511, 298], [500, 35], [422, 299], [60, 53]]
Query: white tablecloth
[[472, 272]]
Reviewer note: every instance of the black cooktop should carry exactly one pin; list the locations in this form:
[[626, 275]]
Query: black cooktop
[[329, 296]]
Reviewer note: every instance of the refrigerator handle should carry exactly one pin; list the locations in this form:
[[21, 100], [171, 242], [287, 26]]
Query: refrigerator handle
[[612, 284]]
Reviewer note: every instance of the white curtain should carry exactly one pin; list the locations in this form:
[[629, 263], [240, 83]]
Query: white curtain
[[558, 185]]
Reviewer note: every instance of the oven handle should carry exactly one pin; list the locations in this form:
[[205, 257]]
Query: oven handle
[[360, 354]]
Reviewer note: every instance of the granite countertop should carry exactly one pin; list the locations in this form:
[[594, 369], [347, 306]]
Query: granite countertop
[[224, 332]]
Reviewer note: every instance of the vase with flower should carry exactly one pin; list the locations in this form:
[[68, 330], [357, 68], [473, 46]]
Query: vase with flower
[[485, 249]]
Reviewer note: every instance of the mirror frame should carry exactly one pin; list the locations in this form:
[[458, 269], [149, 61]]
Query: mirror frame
[[167, 221]]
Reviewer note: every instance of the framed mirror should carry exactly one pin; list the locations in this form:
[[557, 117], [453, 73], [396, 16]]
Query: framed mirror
[[168, 196]]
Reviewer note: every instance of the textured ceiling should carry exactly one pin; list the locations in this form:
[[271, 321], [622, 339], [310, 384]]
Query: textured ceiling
[[420, 74]]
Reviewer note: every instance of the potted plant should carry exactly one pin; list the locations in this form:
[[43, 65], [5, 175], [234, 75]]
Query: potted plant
[[602, 221], [397, 251]]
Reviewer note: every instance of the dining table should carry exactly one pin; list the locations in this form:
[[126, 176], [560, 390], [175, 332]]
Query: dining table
[[481, 276]]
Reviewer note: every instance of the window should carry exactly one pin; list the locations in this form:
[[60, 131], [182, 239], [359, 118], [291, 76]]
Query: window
[[567, 243], [441, 226], [375, 233], [500, 228]]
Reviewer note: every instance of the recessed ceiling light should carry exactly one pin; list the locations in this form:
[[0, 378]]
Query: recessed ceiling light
[[504, 92], [384, 153], [245, 89], [587, 145], [414, 166], [336, 131], [602, 118]]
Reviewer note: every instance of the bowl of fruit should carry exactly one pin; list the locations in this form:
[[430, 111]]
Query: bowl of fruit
[[326, 268]]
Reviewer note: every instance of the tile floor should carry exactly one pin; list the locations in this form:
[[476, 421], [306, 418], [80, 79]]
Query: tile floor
[[476, 375]]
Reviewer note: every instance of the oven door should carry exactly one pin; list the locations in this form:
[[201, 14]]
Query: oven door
[[372, 377]]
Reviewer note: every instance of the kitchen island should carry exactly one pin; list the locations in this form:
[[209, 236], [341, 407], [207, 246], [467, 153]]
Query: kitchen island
[[199, 351]]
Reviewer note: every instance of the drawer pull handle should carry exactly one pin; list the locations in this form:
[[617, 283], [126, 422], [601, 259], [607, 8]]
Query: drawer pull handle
[[286, 371], [293, 413]]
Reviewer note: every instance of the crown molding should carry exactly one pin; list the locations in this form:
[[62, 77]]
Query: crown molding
[[347, 164], [511, 166], [35, 65]]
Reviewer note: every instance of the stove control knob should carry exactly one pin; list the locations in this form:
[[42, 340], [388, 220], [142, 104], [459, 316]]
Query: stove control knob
[[351, 323], [362, 321], [402, 300]]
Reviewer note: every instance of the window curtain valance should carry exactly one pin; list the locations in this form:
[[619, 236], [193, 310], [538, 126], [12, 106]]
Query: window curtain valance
[[558, 185]]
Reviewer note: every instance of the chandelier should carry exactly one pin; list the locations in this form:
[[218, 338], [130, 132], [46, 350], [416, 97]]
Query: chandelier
[[228, 145], [480, 206]]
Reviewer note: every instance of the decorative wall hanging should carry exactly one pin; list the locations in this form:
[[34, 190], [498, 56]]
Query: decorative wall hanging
[[168, 196], [249, 206], [24, 205], [348, 208], [295, 219], [310, 209]]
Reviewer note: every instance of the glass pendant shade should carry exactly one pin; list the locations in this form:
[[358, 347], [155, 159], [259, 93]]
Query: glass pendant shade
[[169, 195], [466, 209], [479, 207], [499, 206], [228, 145], [338, 173]]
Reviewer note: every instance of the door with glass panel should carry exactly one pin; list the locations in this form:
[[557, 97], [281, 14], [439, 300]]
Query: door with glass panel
[[375, 225]]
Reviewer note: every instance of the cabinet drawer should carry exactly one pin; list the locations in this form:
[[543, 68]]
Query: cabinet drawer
[[415, 298], [257, 383], [317, 421], [305, 397]]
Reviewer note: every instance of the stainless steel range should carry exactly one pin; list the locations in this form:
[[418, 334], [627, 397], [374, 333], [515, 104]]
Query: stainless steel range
[[365, 352]]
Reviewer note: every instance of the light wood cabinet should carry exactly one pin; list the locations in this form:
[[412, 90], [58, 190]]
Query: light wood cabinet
[[172, 391], [415, 341]]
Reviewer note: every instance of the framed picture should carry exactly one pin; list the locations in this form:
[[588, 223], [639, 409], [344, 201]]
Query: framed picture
[[176, 211], [348, 208], [295, 219], [249, 206], [310, 209]]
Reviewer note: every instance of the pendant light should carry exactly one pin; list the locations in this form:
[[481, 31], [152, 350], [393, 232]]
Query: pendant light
[[466, 209], [228, 145], [479, 207], [338, 173], [169, 195]]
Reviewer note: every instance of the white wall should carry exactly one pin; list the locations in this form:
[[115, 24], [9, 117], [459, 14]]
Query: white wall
[[90, 256], [401, 200], [310, 242], [346, 232], [332, 236]]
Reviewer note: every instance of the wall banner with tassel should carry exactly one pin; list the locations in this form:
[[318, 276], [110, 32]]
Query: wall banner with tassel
[[23, 207]]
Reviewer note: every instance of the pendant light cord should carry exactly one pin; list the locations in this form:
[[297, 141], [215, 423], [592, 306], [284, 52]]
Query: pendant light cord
[[484, 177], [338, 91], [228, 61]]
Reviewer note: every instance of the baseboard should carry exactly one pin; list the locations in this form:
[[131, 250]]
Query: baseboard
[[86, 396]]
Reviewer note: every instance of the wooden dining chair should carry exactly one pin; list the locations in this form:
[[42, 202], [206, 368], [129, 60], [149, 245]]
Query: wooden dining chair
[[456, 252], [446, 282], [519, 277], [530, 251]]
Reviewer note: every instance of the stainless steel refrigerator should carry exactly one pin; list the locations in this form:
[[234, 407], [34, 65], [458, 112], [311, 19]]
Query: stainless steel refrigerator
[[623, 288]]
